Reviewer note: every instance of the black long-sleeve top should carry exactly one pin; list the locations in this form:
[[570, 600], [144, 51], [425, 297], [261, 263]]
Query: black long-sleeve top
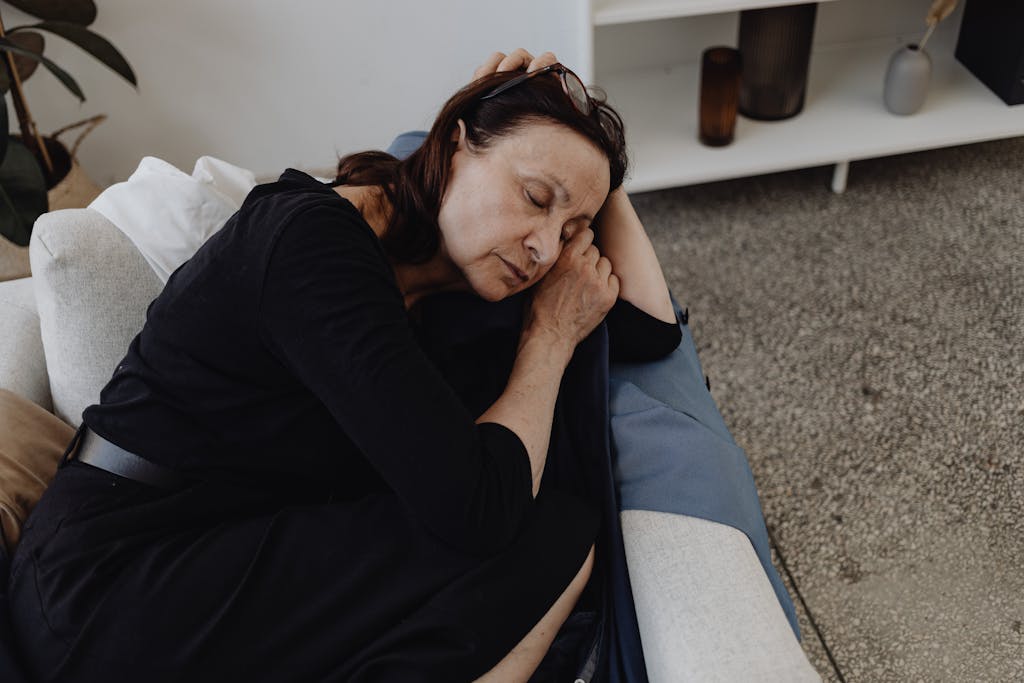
[[281, 356]]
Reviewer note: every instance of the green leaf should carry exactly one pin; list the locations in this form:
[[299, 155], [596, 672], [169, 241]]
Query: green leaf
[[93, 43], [78, 11], [22, 193], [30, 40], [12, 226], [4, 124], [62, 75]]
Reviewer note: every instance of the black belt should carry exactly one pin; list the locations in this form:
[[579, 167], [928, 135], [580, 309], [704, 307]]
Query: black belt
[[94, 450]]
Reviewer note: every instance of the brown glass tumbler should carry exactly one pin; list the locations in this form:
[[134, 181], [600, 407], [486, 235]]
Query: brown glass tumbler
[[719, 95]]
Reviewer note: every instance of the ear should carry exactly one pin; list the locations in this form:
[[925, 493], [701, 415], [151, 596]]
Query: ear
[[459, 134]]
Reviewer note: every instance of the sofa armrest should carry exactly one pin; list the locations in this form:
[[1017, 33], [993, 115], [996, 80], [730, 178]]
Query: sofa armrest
[[704, 605], [92, 288], [22, 363]]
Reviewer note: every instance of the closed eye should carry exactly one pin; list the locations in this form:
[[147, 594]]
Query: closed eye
[[534, 201]]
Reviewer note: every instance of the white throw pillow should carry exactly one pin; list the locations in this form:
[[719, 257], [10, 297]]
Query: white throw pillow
[[169, 214]]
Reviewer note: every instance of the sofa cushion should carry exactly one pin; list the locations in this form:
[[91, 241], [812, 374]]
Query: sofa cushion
[[31, 444], [92, 289], [22, 363]]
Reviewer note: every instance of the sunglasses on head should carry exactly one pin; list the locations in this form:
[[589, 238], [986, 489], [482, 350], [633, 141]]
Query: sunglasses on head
[[571, 85]]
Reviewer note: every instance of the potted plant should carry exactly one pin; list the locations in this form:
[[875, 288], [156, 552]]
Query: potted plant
[[30, 163]]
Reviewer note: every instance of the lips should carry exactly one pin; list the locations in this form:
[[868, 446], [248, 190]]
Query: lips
[[519, 274]]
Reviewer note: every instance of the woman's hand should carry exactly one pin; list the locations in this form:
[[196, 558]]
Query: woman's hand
[[574, 296], [567, 304], [517, 59]]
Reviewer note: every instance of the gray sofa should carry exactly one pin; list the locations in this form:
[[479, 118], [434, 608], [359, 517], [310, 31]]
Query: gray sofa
[[705, 608]]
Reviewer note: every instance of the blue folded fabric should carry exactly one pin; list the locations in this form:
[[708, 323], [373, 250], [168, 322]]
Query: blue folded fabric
[[406, 143], [672, 451]]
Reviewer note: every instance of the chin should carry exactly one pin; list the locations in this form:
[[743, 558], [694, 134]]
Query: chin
[[493, 296], [494, 291]]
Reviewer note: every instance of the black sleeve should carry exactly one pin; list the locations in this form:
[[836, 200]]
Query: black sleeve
[[635, 336], [332, 314]]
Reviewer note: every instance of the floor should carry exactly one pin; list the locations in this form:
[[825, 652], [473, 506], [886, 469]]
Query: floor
[[867, 350]]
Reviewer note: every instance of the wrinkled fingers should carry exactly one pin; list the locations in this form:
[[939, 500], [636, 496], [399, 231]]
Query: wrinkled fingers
[[546, 59], [489, 66], [613, 286], [591, 255], [517, 59], [579, 242]]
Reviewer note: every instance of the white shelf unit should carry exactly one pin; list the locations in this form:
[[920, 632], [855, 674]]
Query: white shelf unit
[[611, 12], [844, 118]]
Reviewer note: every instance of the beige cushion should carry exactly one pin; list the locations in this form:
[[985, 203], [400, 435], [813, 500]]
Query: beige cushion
[[31, 444], [22, 363], [92, 289]]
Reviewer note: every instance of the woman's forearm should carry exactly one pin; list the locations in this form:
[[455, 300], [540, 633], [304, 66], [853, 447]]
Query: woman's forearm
[[528, 402], [622, 238]]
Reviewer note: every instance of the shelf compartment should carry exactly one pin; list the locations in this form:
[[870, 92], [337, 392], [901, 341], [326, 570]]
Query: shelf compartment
[[844, 118], [612, 12]]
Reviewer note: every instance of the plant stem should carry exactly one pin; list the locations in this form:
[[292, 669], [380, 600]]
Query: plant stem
[[29, 132]]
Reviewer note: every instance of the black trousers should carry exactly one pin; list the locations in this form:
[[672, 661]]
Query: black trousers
[[117, 581]]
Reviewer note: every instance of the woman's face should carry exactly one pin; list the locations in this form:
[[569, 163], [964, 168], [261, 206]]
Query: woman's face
[[508, 208]]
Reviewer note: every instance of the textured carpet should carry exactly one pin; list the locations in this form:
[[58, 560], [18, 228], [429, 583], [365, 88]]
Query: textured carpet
[[867, 350]]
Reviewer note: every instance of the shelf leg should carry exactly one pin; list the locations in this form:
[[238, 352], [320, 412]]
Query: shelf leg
[[842, 169]]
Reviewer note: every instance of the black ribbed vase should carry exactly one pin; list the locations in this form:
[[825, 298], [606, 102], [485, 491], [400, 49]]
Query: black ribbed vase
[[776, 47]]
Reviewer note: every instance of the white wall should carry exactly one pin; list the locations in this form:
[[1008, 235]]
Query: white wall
[[268, 84]]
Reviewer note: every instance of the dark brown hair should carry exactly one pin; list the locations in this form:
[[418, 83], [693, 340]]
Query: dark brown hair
[[415, 186]]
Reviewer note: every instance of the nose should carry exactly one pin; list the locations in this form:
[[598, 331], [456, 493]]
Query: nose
[[543, 244]]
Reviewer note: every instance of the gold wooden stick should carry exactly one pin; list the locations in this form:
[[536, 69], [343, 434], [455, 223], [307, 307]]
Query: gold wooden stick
[[927, 35], [939, 10]]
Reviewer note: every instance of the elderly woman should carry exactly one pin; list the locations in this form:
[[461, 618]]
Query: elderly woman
[[279, 484]]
